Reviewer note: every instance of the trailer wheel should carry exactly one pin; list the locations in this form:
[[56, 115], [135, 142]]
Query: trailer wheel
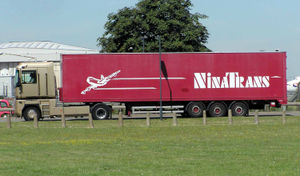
[[31, 112], [239, 109], [217, 109], [101, 111], [195, 109]]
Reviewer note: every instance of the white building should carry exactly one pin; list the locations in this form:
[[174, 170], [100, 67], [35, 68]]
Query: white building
[[12, 53]]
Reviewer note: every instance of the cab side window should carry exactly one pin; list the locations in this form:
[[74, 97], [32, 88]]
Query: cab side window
[[29, 77]]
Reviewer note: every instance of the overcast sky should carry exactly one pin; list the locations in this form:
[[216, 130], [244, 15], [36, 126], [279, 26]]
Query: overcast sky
[[234, 25]]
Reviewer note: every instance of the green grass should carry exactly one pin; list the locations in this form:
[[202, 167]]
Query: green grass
[[243, 148]]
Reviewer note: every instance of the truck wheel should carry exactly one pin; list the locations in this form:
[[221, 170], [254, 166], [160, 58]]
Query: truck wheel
[[239, 109], [217, 109], [195, 109], [31, 112], [101, 111]]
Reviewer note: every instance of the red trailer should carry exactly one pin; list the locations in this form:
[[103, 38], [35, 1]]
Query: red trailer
[[212, 81]]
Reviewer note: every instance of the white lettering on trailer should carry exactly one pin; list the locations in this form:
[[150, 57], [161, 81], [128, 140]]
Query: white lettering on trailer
[[199, 80], [230, 80]]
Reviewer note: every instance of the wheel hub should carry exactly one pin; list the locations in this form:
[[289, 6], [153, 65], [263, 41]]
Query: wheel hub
[[32, 114], [238, 110], [218, 110], [196, 109], [101, 113]]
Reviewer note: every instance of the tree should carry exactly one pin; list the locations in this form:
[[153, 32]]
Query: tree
[[132, 28]]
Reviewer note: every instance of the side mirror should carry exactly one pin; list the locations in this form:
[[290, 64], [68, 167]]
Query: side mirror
[[18, 84]]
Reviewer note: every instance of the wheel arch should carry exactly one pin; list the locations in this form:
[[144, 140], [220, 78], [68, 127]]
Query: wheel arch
[[93, 105], [191, 102], [236, 101]]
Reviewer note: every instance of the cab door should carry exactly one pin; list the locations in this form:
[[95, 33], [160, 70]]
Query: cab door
[[29, 81]]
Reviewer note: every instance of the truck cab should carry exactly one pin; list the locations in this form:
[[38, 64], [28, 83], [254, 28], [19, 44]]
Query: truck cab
[[36, 93], [35, 89], [35, 80]]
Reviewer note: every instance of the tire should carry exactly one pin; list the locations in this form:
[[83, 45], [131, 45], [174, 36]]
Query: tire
[[101, 112], [30, 112], [217, 109], [239, 109], [195, 109]]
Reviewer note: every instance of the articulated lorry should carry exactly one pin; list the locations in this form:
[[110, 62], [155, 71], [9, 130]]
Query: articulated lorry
[[195, 82]]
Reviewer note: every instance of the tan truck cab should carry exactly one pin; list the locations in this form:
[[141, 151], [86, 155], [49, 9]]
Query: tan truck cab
[[36, 93]]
